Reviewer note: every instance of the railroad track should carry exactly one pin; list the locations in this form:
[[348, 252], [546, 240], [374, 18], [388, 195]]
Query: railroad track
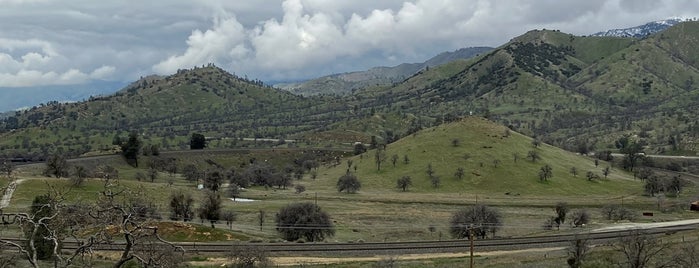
[[375, 248]]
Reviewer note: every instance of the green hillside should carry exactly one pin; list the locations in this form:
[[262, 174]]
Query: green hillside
[[486, 151], [569, 91]]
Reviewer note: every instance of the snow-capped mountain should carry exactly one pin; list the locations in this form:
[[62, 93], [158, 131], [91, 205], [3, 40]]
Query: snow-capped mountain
[[643, 30]]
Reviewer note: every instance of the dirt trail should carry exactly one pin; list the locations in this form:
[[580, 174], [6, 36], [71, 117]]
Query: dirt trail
[[5, 201], [295, 261]]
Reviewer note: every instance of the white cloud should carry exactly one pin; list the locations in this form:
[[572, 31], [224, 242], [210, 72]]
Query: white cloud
[[104, 72], [278, 39], [222, 43]]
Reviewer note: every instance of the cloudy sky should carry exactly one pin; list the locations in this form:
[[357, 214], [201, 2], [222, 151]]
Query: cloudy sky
[[66, 42]]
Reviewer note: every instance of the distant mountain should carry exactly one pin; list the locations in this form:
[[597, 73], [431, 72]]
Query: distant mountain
[[643, 30], [345, 83], [570, 91], [13, 98]]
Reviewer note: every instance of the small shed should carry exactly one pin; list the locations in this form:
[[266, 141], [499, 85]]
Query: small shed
[[694, 206]]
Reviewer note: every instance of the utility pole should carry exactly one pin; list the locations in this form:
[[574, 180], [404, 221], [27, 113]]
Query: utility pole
[[470, 237]]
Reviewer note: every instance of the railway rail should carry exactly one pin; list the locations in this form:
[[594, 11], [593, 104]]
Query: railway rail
[[415, 247]]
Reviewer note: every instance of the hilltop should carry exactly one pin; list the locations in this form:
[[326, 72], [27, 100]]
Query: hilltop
[[345, 83], [642, 31]]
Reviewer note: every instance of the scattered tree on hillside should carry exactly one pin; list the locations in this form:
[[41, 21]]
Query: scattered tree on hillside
[[405, 159], [496, 163], [536, 143], [435, 181], [574, 171], [533, 155], [545, 173], [57, 166], [197, 141], [131, 148], [348, 183], [515, 157], [455, 142], [304, 220], [379, 158], [459, 174], [404, 182], [591, 176], [606, 171], [181, 206], [210, 208], [478, 220], [430, 170], [394, 159]]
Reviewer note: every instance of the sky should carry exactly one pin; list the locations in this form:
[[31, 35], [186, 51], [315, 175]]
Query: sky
[[72, 42]]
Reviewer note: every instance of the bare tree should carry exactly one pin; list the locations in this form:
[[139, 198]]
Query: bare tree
[[580, 217], [261, 218], [478, 220], [639, 249], [118, 212], [57, 166], [229, 217], [7, 167], [577, 252]]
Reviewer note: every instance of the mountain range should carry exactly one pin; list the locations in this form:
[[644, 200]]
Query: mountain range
[[565, 90], [345, 83], [642, 30]]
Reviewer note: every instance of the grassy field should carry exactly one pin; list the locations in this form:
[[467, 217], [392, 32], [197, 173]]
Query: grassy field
[[382, 212]]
